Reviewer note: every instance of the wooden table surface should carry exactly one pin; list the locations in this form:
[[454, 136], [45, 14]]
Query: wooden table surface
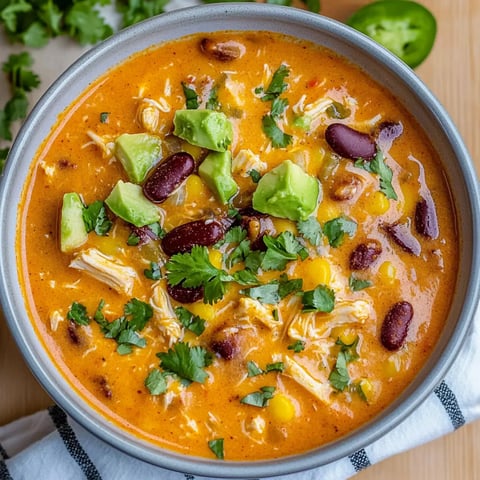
[[452, 72]]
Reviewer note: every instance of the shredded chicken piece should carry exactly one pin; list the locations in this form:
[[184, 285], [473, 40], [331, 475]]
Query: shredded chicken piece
[[148, 114], [55, 318], [105, 144], [164, 316], [106, 269], [245, 160], [251, 309], [320, 390], [314, 326]]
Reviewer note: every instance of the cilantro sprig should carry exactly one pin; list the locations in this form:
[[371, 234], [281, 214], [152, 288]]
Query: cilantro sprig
[[339, 376], [260, 398]]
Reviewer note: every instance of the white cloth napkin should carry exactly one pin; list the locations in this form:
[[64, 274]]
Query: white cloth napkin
[[50, 446]]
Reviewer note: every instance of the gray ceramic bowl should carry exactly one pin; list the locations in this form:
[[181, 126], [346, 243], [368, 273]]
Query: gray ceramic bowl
[[381, 65]]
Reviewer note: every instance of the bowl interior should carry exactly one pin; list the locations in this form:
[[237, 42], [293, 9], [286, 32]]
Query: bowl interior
[[382, 66]]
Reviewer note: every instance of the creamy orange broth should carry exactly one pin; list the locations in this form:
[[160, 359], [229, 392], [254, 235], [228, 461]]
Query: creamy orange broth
[[185, 418]]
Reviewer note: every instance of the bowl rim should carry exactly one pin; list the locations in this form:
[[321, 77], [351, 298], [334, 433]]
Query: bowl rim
[[86, 415]]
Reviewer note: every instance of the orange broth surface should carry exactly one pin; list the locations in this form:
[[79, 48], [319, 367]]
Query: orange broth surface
[[306, 407]]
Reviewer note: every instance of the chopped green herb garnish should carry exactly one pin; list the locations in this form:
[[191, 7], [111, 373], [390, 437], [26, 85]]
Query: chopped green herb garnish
[[254, 175], [154, 272], [157, 230], [187, 362], [278, 138], [260, 398], [245, 277], [192, 322], [275, 367], [253, 369], [278, 107], [212, 101], [78, 314], [216, 446], [277, 85], [339, 376], [297, 347], [139, 312], [133, 240], [288, 286], [378, 166], [156, 382], [267, 293], [311, 230], [280, 250], [239, 253], [357, 284], [336, 229], [321, 299], [194, 269], [104, 117], [95, 218], [191, 97]]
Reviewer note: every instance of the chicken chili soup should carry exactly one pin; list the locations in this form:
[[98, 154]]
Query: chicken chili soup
[[237, 245]]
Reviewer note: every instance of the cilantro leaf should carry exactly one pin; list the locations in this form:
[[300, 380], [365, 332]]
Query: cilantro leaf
[[288, 286], [357, 284], [216, 446], [260, 398], [253, 369], [194, 269], [134, 11], [239, 253], [140, 313], [191, 97], [277, 85], [278, 107], [154, 272], [255, 175], [321, 299], [280, 250], [85, 24], [245, 277], [156, 382], [267, 293], [192, 322], [78, 314], [336, 229], [275, 367], [297, 347], [385, 173], [95, 218], [311, 230], [212, 101], [278, 138], [339, 376], [338, 110], [187, 362]]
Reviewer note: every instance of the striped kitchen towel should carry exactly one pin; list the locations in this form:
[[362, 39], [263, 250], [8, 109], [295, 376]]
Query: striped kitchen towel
[[50, 446]]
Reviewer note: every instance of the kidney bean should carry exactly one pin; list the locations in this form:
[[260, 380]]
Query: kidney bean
[[225, 348], [395, 325], [389, 131], [402, 236], [199, 232], [222, 51], [73, 333], [257, 225], [426, 222], [167, 176], [364, 255], [185, 294], [350, 143]]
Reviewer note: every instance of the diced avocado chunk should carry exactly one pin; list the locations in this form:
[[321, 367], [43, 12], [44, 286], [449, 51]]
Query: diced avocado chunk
[[128, 202], [287, 192], [137, 152], [204, 128], [216, 172], [73, 232]]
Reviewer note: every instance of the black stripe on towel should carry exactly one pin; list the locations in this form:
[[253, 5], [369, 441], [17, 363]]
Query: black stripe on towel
[[4, 473], [359, 460], [3, 453], [72, 444], [449, 402]]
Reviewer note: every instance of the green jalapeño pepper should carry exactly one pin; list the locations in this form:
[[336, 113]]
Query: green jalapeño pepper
[[405, 27]]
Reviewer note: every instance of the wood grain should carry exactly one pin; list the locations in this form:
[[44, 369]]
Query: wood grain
[[453, 74]]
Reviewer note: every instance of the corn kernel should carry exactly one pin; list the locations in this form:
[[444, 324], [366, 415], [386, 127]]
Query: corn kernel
[[284, 225], [314, 271], [377, 204], [203, 310], [327, 211], [410, 198], [281, 408], [215, 257], [367, 389], [196, 189], [387, 273], [346, 335], [392, 366], [193, 150]]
